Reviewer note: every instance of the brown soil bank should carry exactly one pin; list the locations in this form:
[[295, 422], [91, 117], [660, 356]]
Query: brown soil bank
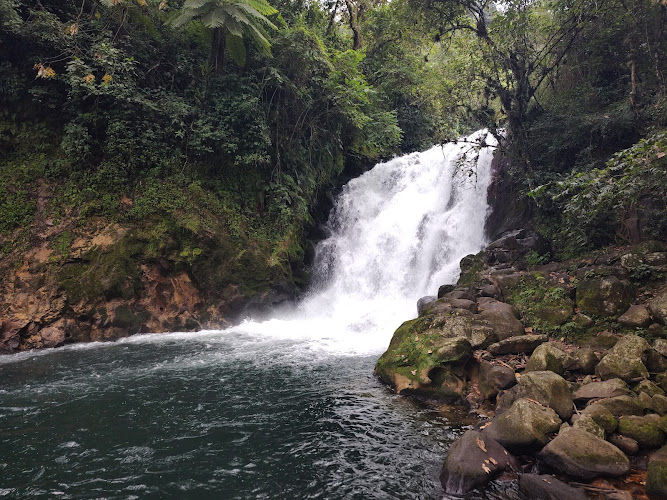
[[564, 361]]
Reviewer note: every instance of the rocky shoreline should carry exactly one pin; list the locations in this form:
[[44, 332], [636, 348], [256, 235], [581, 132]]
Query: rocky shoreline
[[565, 363]]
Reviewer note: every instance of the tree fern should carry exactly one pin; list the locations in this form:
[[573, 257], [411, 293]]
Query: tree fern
[[234, 19]]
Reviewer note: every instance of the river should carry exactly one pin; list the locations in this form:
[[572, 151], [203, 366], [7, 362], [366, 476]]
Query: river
[[282, 408]]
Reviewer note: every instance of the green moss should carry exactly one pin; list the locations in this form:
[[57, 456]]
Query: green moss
[[545, 307]]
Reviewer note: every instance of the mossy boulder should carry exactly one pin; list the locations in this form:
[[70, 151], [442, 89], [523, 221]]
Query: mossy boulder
[[649, 388], [625, 360], [422, 361], [603, 296], [546, 357], [549, 389], [643, 430], [588, 424], [656, 475], [621, 405], [526, 424], [578, 453], [543, 303], [601, 416]]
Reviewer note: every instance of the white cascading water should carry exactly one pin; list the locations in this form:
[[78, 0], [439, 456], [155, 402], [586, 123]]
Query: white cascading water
[[397, 233]]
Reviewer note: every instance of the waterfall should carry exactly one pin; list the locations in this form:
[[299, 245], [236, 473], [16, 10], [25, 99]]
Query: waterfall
[[397, 232]]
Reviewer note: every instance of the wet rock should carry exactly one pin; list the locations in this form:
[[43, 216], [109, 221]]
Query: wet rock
[[526, 424], [649, 388], [645, 431], [635, 317], [625, 360], [601, 416], [582, 360], [627, 445], [607, 389], [605, 296], [472, 461], [588, 424], [423, 302], [518, 344], [545, 487], [621, 405], [658, 306], [546, 357], [502, 318], [656, 476], [548, 389], [581, 454]]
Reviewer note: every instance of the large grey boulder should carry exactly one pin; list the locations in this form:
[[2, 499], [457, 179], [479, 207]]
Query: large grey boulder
[[526, 424], [424, 301], [656, 476], [549, 389], [546, 357], [658, 306], [502, 318], [472, 461], [518, 344], [581, 454], [644, 430], [605, 296], [598, 390], [545, 487], [625, 360]]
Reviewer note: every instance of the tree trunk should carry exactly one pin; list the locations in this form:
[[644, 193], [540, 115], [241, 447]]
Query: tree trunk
[[354, 25], [218, 51]]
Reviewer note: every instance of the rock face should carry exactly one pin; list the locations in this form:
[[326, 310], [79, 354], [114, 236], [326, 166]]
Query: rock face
[[546, 357], [548, 389], [525, 425], [581, 454], [472, 461], [603, 296], [519, 344], [625, 360], [544, 487], [656, 476]]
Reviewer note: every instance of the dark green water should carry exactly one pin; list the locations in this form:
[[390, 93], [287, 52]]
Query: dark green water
[[211, 415]]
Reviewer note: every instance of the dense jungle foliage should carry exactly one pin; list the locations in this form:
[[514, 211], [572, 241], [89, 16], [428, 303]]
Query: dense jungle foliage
[[168, 114]]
